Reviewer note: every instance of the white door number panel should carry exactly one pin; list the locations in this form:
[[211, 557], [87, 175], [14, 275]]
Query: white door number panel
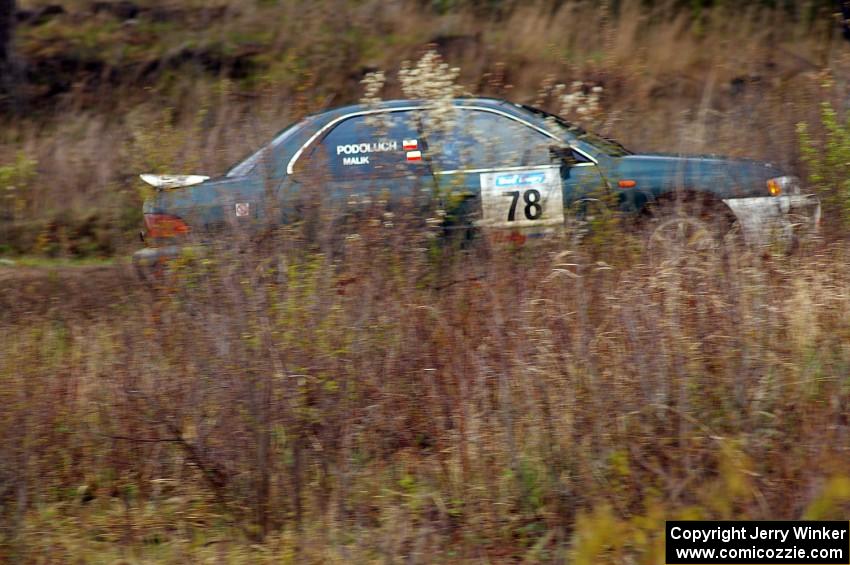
[[530, 197]]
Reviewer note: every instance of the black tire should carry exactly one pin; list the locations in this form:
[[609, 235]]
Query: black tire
[[688, 230], [152, 275]]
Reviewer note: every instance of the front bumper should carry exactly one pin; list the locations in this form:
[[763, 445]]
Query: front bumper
[[766, 219]]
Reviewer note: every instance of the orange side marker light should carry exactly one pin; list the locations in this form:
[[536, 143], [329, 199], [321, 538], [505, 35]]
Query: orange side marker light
[[774, 188]]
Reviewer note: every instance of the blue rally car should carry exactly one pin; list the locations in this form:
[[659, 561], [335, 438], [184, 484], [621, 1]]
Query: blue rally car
[[510, 168]]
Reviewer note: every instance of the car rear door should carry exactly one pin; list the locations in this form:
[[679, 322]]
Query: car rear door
[[361, 161]]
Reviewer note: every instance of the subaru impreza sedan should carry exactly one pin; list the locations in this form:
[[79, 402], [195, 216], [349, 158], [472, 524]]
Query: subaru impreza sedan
[[508, 168]]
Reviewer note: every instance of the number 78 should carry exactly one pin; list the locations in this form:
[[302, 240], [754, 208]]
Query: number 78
[[531, 197]]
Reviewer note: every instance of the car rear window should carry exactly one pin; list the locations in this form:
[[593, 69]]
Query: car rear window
[[267, 152]]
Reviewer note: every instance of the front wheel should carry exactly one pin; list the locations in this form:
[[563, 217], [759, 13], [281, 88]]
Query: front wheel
[[687, 232]]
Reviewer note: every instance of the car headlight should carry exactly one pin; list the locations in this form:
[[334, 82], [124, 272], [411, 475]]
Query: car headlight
[[783, 185]]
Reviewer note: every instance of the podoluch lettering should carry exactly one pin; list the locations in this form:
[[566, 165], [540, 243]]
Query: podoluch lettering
[[370, 147]]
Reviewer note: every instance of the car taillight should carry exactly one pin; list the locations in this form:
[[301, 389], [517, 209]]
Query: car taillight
[[165, 225]]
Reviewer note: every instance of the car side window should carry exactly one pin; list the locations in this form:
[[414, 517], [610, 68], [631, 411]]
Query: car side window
[[580, 158], [485, 140], [377, 146]]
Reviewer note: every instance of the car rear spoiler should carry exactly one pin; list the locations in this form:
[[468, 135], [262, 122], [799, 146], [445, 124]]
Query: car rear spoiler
[[163, 182]]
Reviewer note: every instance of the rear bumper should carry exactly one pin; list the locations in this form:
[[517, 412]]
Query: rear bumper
[[150, 256], [766, 219], [152, 260]]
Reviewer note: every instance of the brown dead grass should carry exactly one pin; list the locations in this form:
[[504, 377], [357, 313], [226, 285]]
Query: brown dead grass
[[486, 404]]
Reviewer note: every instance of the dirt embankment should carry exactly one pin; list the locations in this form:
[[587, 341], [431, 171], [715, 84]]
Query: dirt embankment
[[100, 46], [87, 289]]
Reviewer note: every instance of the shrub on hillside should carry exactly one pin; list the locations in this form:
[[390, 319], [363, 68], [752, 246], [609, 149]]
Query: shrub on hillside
[[827, 158]]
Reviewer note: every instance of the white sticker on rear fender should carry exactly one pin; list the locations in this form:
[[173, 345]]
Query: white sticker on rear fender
[[242, 209], [531, 197]]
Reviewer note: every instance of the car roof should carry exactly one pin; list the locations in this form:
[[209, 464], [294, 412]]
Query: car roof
[[390, 104]]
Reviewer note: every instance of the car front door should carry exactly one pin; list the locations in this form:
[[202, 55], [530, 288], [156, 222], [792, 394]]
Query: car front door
[[498, 172]]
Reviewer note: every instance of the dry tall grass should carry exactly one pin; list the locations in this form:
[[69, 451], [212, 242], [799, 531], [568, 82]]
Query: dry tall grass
[[407, 402]]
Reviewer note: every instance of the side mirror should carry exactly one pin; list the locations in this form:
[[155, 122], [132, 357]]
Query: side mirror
[[562, 155]]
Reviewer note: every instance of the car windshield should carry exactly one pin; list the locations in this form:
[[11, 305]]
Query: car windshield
[[248, 165], [606, 145]]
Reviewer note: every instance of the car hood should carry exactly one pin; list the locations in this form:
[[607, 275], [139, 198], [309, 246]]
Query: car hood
[[724, 176]]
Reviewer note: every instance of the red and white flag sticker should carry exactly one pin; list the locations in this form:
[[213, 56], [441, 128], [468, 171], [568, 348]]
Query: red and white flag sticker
[[414, 155], [410, 144]]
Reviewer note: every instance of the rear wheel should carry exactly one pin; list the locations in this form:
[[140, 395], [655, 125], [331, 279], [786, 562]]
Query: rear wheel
[[149, 273]]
